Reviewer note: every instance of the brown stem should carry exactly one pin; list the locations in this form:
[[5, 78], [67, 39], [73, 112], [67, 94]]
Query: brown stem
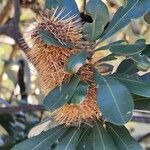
[[23, 108], [12, 28]]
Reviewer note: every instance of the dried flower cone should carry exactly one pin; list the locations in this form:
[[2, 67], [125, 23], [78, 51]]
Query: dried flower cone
[[75, 114], [50, 62]]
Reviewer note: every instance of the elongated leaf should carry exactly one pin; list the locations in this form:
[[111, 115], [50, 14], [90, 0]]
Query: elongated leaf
[[135, 85], [104, 67], [101, 139], [110, 57], [69, 6], [49, 39], [109, 45], [69, 141], [122, 138], [42, 141], [146, 51], [76, 61], [100, 15], [147, 17], [86, 139], [142, 62], [145, 77], [42, 126], [59, 96], [142, 104], [127, 50], [127, 66], [80, 94], [124, 15], [114, 99]]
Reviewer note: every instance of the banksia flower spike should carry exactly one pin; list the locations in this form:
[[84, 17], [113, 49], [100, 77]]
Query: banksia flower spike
[[50, 61]]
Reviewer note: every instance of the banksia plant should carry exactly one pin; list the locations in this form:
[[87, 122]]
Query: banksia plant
[[89, 101]]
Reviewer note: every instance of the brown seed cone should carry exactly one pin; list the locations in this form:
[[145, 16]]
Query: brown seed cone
[[75, 114], [50, 62]]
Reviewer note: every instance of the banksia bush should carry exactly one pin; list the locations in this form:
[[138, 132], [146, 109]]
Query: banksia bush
[[89, 101]]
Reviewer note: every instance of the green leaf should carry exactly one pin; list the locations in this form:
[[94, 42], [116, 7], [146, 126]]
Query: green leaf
[[114, 99], [142, 103], [109, 45], [80, 93], [142, 62], [49, 39], [53, 3], [147, 17], [132, 10], [127, 50], [69, 6], [42, 126], [100, 15], [104, 67], [145, 77], [146, 51], [101, 139], [122, 137], [135, 85], [110, 57], [85, 140], [69, 141], [61, 95], [127, 66], [76, 61], [42, 141]]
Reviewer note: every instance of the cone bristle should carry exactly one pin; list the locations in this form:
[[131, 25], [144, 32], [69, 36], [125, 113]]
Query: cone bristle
[[50, 63], [66, 31]]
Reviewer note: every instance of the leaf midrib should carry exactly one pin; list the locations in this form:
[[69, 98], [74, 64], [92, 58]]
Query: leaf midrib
[[46, 139], [115, 101], [77, 55], [120, 20], [119, 137], [100, 135], [71, 139], [135, 81]]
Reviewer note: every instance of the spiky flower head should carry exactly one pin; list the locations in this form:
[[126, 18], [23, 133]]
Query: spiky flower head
[[50, 62]]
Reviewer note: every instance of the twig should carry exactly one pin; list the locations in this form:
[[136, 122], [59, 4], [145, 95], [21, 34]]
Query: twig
[[2, 101], [12, 28], [21, 81], [17, 13], [3, 29], [23, 108], [141, 119], [143, 137]]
